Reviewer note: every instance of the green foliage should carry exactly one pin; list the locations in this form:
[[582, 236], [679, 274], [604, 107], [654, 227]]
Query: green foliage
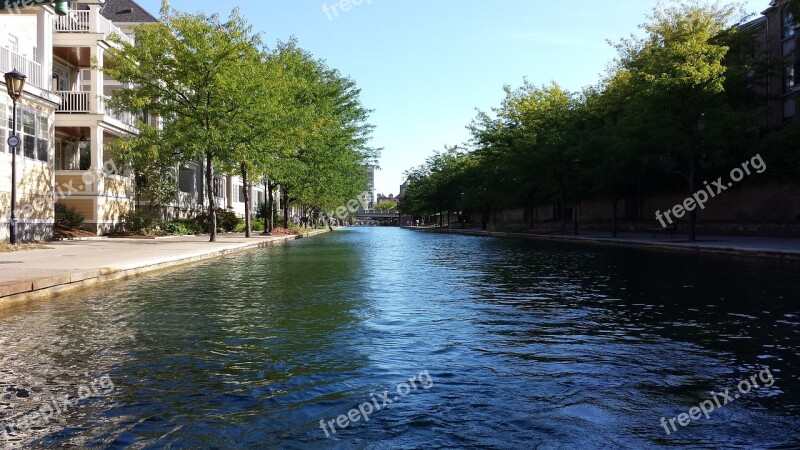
[[211, 68], [240, 109], [674, 102], [386, 205], [68, 217], [140, 222], [262, 211], [183, 227], [226, 220], [255, 225]]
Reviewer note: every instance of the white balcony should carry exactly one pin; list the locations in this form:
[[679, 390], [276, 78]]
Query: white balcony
[[89, 21], [33, 70], [80, 102], [74, 102]]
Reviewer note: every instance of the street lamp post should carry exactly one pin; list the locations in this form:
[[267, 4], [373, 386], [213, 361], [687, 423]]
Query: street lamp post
[[15, 82]]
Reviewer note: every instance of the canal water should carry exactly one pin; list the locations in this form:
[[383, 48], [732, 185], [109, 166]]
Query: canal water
[[396, 339]]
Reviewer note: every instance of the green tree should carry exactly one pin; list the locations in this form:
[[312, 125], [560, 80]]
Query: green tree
[[197, 73], [678, 69], [385, 205]]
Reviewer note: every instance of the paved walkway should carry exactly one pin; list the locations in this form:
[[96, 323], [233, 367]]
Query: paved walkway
[[73, 264], [741, 245]]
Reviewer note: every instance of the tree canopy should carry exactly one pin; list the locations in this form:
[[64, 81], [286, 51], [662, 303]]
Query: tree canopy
[[225, 100]]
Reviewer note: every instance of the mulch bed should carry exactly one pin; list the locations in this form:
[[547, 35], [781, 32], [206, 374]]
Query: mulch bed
[[60, 232]]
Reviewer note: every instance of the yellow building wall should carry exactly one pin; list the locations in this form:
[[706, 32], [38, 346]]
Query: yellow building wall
[[112, 209], [84, 206]]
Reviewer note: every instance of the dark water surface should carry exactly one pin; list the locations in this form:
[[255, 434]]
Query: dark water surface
[[526, 345]]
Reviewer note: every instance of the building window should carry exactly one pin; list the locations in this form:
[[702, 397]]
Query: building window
[[788, 24], [788, 79], [32, 128], [4, 126], [186, 180], [789, 108], [219, 188]]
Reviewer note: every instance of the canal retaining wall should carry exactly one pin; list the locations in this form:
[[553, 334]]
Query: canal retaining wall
[[73, 265]]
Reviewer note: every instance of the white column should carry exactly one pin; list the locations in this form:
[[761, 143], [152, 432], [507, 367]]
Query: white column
[[96, 84], [96, 147], [44, 46], [94, 18], [229, 189]]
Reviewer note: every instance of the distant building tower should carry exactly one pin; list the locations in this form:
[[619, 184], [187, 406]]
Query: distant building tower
[[368, 197]]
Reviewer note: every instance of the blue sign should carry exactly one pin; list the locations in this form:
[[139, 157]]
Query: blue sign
[[13, 141]]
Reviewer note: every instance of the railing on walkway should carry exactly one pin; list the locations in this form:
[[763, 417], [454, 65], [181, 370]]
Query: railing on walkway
[[10, 60]]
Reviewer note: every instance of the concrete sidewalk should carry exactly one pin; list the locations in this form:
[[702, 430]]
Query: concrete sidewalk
[[735, 245], [66, 265]]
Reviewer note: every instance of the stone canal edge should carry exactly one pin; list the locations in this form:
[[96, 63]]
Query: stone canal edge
[[788, 249], [25, 276]]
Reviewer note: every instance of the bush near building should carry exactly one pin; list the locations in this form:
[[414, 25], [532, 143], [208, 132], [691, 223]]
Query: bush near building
[[68, 217]]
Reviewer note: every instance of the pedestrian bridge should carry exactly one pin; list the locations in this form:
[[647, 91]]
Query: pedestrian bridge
[[375, 214]]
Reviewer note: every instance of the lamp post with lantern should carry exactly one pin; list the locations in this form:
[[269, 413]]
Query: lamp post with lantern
[[15, 82]]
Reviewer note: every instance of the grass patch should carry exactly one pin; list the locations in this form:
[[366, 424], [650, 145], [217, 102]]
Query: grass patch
[[5, 247]]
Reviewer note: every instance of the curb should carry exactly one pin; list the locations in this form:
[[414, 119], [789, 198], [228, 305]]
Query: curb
[[13, 292]]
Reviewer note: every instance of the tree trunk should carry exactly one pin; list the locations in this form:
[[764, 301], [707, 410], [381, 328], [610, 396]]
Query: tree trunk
[[267, 208], [285, 196], [271, 214], [614, 207], [531, 218], [692, 189], [246, 186], [210, 188], [563, 208]]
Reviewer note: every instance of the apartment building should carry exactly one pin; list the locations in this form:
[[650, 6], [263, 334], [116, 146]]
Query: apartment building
[[65, 124], [96, 186], [778, 51], [26, 44]]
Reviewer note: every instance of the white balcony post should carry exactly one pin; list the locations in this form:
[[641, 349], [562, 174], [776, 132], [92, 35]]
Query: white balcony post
[[96, 148], [94, 19], [96, 92], [44, 47]]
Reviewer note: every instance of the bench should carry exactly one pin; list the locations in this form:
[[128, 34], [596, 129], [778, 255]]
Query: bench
[[671, 229]]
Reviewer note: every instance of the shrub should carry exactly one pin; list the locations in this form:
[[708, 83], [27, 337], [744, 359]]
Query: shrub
[[183, 227], [262, 211], [139, 222], [226, 220], [68, 217], [255, 225]]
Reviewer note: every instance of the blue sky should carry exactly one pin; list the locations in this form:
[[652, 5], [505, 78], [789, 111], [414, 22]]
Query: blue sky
[[424, 66]]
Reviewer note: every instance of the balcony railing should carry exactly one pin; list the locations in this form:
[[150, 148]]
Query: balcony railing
[[125, 117], [74, 101], [73, 22], [33, 70], [79, 102], [89, 21]]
